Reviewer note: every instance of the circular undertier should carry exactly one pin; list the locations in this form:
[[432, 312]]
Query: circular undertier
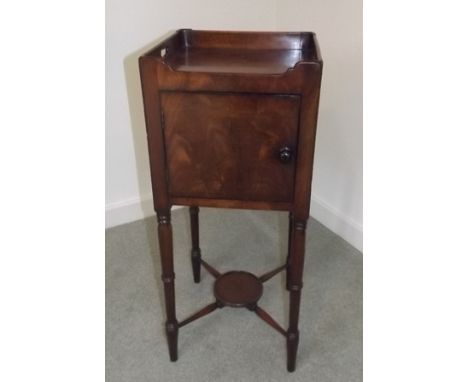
[[238, 289]]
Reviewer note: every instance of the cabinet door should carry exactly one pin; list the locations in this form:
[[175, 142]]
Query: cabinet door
[[230, 146]]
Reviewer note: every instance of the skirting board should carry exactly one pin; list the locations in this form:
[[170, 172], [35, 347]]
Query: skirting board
[[129, 210], [138, 208], [337, 222]]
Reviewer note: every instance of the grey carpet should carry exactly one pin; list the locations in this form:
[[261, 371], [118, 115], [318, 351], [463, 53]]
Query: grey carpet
[[231, 344]]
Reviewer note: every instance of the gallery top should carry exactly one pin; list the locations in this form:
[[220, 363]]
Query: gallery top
[[189, 50]]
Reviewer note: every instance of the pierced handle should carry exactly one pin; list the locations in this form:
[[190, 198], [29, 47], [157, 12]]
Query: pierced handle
[[285, 154]]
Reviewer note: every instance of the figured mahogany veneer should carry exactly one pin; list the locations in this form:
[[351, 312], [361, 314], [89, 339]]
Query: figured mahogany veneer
[[227, 146], [231, 123]]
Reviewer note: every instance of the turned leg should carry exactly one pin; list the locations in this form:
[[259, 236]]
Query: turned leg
[[288, 259], [167, 264], [196, 253], [295, 269]]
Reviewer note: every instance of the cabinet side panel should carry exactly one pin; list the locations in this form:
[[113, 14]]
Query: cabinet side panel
[[307, 134], [151, 104]]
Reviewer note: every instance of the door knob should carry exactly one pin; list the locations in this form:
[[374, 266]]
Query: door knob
[[285, 154]]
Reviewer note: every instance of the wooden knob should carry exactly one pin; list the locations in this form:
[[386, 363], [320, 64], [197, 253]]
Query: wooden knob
[[285, 154]]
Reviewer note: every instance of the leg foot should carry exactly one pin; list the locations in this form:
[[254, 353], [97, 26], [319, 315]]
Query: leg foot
[[292, 340], [172, 332]]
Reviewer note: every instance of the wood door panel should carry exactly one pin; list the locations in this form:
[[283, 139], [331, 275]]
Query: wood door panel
[[226, 146]]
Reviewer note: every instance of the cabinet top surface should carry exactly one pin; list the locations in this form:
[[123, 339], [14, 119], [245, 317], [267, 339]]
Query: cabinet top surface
[[236, 52]]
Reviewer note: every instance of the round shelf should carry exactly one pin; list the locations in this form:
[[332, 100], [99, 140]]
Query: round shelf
[[238, 289]]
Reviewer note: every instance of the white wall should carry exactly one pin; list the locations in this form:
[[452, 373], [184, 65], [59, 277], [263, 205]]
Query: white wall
[[131, 28], [134, 26], [337, 183]]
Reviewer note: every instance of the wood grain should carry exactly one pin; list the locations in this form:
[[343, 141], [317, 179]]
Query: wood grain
[[231, 121], [226, 146]]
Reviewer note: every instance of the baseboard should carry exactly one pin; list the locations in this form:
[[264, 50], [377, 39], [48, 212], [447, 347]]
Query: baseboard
[[342, 225], [129, 210]]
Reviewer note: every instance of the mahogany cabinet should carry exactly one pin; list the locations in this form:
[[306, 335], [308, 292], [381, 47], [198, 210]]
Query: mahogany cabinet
[[231, 123]]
